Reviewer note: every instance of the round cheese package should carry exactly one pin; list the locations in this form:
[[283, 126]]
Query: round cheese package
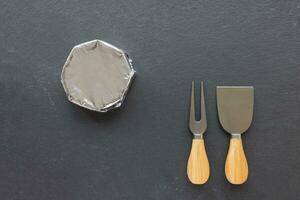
[[97, 75]]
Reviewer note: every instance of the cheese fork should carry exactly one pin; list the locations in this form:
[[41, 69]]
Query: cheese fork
[[198, 165]]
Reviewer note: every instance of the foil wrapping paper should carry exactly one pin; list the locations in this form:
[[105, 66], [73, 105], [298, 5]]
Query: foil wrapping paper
[[97, 75]]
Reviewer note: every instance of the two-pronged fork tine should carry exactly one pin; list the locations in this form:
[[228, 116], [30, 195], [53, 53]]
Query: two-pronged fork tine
[[192, 107], [197, 127], [198, 166]]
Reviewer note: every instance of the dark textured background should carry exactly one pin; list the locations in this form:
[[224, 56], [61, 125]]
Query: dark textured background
[[52, 149]]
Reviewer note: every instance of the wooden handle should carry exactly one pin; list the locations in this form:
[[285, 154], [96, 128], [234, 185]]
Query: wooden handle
[[198, 165], [236, 166]]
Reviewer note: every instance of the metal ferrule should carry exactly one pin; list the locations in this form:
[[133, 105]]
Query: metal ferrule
[[236, 135], [198, 136]]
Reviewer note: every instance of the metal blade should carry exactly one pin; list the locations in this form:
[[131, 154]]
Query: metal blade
[[235, 107]]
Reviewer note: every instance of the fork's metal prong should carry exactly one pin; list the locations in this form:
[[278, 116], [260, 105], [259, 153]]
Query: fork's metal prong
[[192, 106], [203, 110]]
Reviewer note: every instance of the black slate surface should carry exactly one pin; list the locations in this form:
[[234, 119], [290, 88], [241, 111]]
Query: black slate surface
[[52, 149]]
